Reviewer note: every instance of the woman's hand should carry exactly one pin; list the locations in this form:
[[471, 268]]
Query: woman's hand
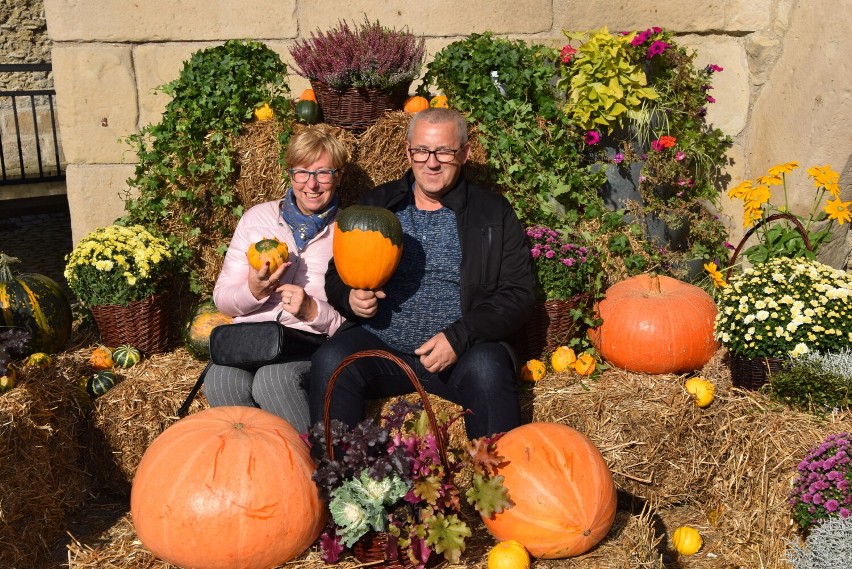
[[297, 302], [365, 303], [262, 283]]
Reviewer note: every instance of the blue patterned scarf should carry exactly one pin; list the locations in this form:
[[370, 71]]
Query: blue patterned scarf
[[305, 227]]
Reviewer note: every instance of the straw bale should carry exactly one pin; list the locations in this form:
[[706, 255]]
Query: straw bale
[[127, 418], [40, 477]]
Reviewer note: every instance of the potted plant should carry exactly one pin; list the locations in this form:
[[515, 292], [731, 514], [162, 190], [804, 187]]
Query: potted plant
[[392, 490], [643, 105], [782, 309], [569, 277], [124, 275], [795, 235], [359, 72]]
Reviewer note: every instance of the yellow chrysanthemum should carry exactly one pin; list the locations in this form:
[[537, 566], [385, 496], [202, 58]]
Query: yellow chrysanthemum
[[757, 196], [825, 177], [838, 210], [785, 168]]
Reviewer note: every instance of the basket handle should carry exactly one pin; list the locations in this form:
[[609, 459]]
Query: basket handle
[[788, 216], [433, 422]]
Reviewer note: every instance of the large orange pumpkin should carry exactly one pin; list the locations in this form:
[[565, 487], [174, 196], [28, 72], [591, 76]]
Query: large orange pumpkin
[[655, 324], [227, 488], [367, 246], [562, 489]]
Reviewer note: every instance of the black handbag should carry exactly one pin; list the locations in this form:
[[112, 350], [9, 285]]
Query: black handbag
[[250, 345]]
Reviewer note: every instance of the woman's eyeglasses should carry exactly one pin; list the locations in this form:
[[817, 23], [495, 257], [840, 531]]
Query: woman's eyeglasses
[[323, 176]]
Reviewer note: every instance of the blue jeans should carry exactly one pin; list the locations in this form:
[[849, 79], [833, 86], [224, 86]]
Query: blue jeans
[[483, 381]]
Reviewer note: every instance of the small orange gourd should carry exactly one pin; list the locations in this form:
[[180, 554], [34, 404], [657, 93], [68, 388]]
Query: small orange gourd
[[101, 358], [585, 364], [687, 540], [508, 555], [367, 246], [416, 104], [264, 112], [308, 95], [562, 489], [227, 487], [268, 250], [563, 358], [533, 370], [440, 102], [655, 324]]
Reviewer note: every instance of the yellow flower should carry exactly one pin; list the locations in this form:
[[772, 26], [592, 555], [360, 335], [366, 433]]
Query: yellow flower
[[785, 168], [838, 210], [739, 191], [825, 177], [770, 180], [715, 274], [751, 215], [757, 196]]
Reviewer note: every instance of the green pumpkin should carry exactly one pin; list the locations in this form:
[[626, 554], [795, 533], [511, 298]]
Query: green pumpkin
[[37, 304], [100, 383], [126, 356], [308, 111], [196, 335]]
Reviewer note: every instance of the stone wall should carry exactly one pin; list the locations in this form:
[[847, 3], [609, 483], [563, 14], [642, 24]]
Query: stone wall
[[24, 39], [784, 94]]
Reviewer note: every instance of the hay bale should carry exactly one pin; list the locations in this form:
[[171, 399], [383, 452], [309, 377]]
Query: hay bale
[[127, 418], [41, 481]]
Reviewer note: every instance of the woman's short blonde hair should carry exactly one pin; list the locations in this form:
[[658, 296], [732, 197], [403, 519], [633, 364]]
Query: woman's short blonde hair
[[307, 145]]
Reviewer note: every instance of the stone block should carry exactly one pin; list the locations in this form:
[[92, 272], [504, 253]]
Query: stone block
[[802, 113], [157, 64], [165, 20], [95, 195], [730, 86], [96, 101], [620, 15], [439, 18]]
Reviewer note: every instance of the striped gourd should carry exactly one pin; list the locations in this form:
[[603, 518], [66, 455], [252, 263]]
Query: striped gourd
[[100, 383], [35, 303], [126, 356]]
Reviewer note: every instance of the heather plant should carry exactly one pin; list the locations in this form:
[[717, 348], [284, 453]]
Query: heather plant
[[822, 489], [566, 265], [365, 55], [828, 546]]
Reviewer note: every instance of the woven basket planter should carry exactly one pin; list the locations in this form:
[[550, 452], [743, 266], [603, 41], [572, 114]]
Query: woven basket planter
[[753, 373], [550, 325], [145, 324], [357, 109]]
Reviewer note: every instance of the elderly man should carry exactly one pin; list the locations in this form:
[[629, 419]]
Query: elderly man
[[463, 286]]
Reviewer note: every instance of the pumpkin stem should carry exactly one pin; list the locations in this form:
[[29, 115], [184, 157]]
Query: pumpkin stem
[[655, 284], [5, 271]]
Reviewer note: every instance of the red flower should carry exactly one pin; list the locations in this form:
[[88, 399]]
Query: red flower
[[567, 53]]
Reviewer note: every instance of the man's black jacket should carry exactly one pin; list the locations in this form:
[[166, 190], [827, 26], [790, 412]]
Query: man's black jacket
[[497, 283]]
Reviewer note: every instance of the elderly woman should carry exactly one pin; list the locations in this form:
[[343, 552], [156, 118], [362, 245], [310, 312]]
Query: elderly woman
[[294, 293]]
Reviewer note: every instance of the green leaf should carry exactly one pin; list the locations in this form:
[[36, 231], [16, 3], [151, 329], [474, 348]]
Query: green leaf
[[447, 534], [488, 496]]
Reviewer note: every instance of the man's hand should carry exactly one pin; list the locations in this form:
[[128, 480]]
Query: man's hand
[[436, 354], [365, 303]]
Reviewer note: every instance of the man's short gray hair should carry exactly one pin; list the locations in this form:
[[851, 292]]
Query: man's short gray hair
[[437, 115]]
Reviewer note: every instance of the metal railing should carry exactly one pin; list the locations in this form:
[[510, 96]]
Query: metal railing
[[17, 164]]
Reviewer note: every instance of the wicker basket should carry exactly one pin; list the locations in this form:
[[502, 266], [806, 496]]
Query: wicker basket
[[549, 326], [753, 373], [378, 549], [145, 324], [357, 109]]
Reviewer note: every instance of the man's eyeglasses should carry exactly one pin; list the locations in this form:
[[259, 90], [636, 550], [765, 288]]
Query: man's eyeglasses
[[302, 176], [442, 155]]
